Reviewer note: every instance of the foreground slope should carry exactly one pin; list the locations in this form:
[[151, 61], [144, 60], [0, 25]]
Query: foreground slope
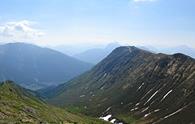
[[35, 67], [18, 105], [130, 82]]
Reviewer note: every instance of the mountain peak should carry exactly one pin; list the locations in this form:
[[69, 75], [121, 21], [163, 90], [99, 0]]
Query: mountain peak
[[129, 48]]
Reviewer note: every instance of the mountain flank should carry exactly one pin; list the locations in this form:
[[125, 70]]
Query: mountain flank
[[134, 84], [21, 106], [36, 67]]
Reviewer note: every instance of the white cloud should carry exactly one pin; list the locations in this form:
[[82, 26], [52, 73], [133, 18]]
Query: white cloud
[[138, 1], [20, 30]]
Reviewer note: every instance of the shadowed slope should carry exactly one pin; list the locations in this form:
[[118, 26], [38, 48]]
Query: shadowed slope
[[132, 82], [35, 67]]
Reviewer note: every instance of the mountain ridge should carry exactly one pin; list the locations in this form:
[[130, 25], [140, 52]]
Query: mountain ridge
[[128, 81], [36, 67]]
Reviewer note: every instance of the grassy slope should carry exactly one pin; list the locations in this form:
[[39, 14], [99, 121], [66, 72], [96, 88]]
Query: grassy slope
[[17, 105]]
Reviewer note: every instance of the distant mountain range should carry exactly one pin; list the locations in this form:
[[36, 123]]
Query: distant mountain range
[[134, 86], [35, 67], [21, 106], [97, 54], [94, 54], [71, 50], [180, 49], [172, 50]]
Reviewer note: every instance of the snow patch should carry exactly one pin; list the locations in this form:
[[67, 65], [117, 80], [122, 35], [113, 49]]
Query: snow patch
[[134, 109], [156, 110], [109, 118], [108, 109], [140, 86], [151, 97], [146, 115], [82, 96], [166, 95], [113, 121], [145, 109], [173, 113], [146, 94], [137, 104], [105, 75], [106, 118]]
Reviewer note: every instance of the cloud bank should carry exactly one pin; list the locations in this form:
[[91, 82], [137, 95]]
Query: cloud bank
[[20, 30]]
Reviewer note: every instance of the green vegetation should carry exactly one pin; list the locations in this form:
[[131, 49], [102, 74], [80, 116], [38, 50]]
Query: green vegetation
[[19, 106], [126, 118]]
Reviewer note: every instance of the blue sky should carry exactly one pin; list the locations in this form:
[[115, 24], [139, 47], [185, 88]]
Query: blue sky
[[141, 22]]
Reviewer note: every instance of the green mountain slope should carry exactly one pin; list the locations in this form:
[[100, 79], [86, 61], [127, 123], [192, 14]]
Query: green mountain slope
[[18, 106], [130, 82]]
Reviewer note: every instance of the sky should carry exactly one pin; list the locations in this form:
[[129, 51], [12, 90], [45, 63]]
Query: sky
[[136, 22]]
